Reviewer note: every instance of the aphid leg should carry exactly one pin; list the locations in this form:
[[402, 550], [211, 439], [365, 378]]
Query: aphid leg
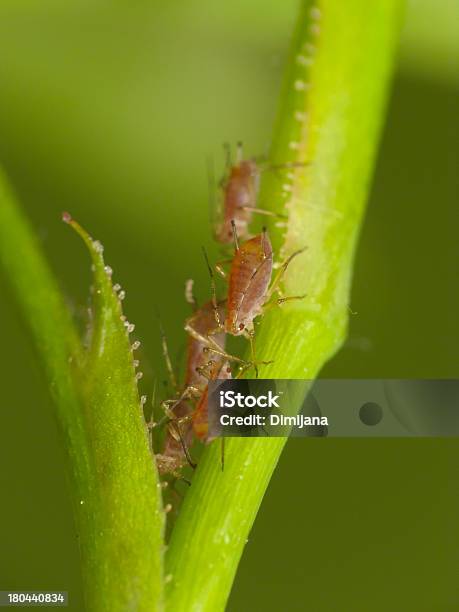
[[203, 339], [282, 300], [206, 370], [175, 423], [277, 168], [297, 164], [290, 298], [176, 426], [281, 273], [167, 358], [174, 490], [214, 347], [219, 267], [210, 345], [249, 364], [254, 363], [176, 433], [262, 211], [170, 405], [222, 453], [235, 237], [214, 291], [264, 234], [251, 336]]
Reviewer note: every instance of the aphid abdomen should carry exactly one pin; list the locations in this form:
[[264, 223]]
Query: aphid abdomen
[[240, 194], [249, 280], [170, 464], [255, 295]]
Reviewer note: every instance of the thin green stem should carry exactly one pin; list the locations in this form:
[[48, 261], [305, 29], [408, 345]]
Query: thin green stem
[[330, 119], [114, 484]]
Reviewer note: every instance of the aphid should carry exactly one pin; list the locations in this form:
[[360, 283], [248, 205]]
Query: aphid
[[179, 411], [249, 292], [240, 191], [203, 320], [175, 449]]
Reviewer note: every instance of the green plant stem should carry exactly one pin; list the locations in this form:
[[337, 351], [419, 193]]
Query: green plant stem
[[46, 316], [114, 485], [331, 114]]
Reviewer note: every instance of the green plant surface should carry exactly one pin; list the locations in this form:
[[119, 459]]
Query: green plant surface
[[125, 544], [115, 489], [329, 122], [330, 119]]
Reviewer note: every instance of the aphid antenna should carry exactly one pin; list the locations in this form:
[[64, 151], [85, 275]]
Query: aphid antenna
[[179, 478], [263, 211], [213, 289], [286, 165], [227, 150], [166, 354], [235, 236], [239, 152]]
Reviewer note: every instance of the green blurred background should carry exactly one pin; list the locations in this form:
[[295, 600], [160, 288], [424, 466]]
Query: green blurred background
[[108, 110]]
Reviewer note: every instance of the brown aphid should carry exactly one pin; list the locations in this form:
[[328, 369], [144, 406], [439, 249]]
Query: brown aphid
[[203, 321], [240, 193], [249, 280], [173, 456], [249, 292], [179, 435], [240, 190]]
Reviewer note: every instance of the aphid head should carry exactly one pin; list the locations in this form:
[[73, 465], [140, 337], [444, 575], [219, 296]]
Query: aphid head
[[249, 168]]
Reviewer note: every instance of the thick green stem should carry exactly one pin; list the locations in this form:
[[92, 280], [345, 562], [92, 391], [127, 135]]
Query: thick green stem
[[330, 119]]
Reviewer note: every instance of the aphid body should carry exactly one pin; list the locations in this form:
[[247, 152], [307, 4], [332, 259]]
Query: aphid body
[[249, 280], [239, 200], [249, 292], [199, 369]]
